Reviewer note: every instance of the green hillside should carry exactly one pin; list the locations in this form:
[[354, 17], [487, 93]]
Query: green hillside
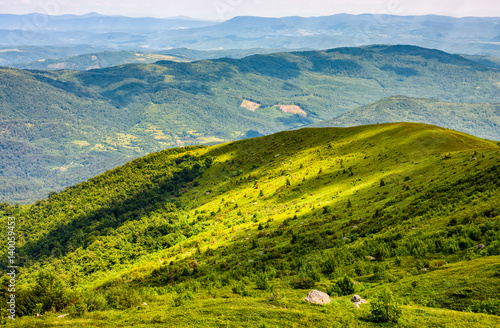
[[96, 60], [474, 118], [490, 61], [237, 234], [62, 127]]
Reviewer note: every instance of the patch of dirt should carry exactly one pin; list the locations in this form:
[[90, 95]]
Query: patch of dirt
[[292, 109], [250, 105]]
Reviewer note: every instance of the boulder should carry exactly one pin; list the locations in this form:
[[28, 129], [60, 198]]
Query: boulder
[[317, 297], [481, 246], [357, 300]]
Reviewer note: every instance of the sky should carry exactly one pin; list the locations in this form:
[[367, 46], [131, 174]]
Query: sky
[[226, 9]]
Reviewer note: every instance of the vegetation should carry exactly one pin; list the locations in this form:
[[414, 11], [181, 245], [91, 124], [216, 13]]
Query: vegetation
[[97, 60], [384, 307], [482, 120], [179, 231], [60, 128]]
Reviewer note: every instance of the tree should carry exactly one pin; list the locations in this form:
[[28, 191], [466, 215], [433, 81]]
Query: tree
[[384, 307], [382, 183]]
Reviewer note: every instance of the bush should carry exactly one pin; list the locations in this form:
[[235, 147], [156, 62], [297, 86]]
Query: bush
[[489, 306], [304, 283], [80, 307], [123, 298], [263, 278], [241, 289], [188, 296], [96, 302], [384, 307], [178, 300], [334, 290], [345, 286]]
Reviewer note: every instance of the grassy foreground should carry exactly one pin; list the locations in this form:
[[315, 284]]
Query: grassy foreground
[[229, 310]]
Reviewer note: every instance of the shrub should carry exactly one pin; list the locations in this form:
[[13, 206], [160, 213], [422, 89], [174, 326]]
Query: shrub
[[384, 307], [345, 286], [489, 306], [330, 265], [96, 302], [80, 307], [262, 281], [188, 296], [123, 298], [178, 300], [241, 289], [304, 283], [360, 269], [263, 278], [334, 290]]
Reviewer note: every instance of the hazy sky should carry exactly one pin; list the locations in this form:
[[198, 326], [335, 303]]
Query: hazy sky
[[225, 9]]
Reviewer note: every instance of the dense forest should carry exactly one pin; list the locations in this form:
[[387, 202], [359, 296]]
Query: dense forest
[[473, 118], [62, 127]]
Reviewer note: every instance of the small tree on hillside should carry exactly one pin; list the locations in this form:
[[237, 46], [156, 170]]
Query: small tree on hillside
[[384, 307]]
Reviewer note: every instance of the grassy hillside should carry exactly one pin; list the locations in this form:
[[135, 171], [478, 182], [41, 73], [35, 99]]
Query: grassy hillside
[[237, 234], [141, 108], [478, 119]]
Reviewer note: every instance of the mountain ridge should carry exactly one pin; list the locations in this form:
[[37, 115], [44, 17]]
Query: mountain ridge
[[457, 116], [449, 34], [305, 206]]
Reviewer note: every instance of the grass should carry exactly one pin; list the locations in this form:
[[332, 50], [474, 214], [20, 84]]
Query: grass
[[285, 205], [257, 311]]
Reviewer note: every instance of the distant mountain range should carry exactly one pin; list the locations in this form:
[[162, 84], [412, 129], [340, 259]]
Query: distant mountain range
[[469, 35], [473, 118], [59, 128], [81, 62], [94, 22]]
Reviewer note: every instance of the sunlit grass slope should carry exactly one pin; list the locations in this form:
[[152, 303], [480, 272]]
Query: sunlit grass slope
[[243, 230]]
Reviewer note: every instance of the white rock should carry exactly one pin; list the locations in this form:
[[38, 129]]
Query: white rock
[[357, 300], [317, 297]]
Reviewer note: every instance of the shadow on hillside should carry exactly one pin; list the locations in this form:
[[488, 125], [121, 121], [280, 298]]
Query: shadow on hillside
[[83, 229]]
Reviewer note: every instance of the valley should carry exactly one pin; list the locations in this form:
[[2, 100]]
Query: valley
[[101, 118]]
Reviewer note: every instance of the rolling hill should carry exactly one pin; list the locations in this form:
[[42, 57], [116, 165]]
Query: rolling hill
[[478, 119], [61, 127], [106, 59], [96, 60], [238, 233]]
